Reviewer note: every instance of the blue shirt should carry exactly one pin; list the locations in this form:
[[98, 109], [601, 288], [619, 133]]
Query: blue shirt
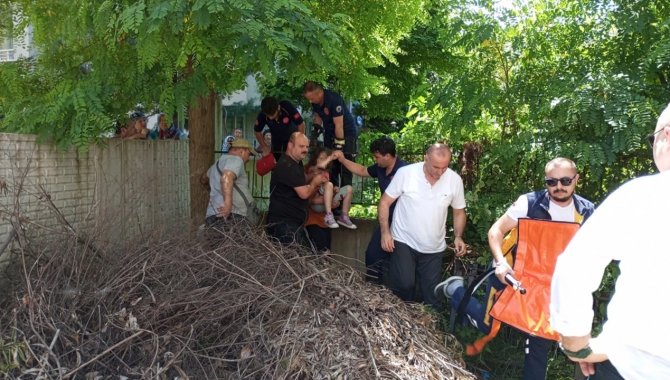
[[333, 106], [383, 179]]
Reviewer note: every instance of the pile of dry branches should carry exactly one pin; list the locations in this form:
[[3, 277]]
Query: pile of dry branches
[[229, 304]]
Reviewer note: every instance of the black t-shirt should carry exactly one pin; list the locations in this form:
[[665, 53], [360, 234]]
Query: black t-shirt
[[286, 123], [285, 204], [333, 106]]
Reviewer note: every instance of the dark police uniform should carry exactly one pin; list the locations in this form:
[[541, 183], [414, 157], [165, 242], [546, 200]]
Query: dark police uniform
[[333, 106], [286, 123]]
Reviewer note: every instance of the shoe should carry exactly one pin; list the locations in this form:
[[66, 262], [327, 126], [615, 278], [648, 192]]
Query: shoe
[[448, 287], [330, 220], [344, 221]]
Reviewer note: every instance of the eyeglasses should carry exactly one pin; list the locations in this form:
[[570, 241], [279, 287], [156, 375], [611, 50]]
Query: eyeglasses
[[565, 181], [652, 138]]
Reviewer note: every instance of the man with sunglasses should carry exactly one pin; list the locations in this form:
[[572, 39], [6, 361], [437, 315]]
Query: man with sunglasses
[[633, 343], [557, 202]]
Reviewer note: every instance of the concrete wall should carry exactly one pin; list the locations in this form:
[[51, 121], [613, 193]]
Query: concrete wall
[[350, 245], [119, 193]]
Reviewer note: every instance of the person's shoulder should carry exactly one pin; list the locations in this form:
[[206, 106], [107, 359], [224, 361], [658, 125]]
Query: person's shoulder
[[410, 168], [231, 159], [332, 96], [286, 104], [585, 202]]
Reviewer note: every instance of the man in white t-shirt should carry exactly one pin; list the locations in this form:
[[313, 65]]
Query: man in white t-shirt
[[630, 226], [423, 192]]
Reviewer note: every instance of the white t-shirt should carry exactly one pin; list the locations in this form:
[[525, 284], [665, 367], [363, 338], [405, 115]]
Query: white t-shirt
[[519, 209], [631, 225], [421, 210]]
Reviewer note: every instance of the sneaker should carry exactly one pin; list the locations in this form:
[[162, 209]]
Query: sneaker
[[448, 287], [344, 221], [330, 220]]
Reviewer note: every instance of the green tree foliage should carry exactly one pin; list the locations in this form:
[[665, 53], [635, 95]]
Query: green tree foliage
[[580, 79], [97, 59]]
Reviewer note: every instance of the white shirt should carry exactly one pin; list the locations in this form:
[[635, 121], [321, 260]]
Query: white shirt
[[631, 226], [519, 209], [421, 210]]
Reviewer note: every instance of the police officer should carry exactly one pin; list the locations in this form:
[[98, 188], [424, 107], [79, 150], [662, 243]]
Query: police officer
[[283, 119], [339, 127]]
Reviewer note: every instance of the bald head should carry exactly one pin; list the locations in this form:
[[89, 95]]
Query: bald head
[[560, 162], [298, 145], [437, 160]]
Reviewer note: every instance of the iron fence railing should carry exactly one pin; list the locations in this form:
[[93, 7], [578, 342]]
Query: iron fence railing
[[7, 55], [366, 190]]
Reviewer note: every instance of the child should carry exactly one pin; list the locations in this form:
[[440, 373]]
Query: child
[[328, 195]]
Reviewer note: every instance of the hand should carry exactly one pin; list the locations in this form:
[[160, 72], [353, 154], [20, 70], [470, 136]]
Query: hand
[[502, 268], [224, 211], [337, 155], [460, 246], [387, 242]]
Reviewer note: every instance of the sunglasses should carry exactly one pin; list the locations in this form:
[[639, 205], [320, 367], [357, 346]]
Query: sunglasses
[[565, 181], [652, 138]]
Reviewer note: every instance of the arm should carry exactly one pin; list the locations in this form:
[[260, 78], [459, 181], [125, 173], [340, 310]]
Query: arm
[[339, 127], [459, 228], [353, 167], [265, 149], [496, 234], [227, 181], [383, 212], [261, 140], [306, 191], [301, 127]]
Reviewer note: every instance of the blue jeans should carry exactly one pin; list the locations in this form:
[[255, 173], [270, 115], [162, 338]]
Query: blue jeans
[[536, 349], [408, 264]]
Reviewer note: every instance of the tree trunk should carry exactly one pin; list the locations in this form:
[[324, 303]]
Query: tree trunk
[[200, 152]]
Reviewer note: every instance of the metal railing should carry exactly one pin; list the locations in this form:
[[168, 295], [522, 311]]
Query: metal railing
[[7, 55], [366, 189]]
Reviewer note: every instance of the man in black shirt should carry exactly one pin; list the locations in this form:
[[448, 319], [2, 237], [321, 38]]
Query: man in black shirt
[[339, 128], [283, 119], [290, 192]]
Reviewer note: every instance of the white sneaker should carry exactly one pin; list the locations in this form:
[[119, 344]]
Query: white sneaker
[[330, 220], [448, 287]]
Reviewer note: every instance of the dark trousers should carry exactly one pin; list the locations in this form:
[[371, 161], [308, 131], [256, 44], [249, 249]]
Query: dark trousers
[[286, 232], [376, 259], [406, 265], [536, 358], [232, 221], [605, 371], [339, 175], [320, 238]]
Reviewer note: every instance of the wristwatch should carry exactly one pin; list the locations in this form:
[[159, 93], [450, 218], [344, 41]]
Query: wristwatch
[[580, 354]]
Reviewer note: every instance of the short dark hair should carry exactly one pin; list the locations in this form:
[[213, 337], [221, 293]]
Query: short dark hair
[[310, 86], [269, 105], [383, 146]]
